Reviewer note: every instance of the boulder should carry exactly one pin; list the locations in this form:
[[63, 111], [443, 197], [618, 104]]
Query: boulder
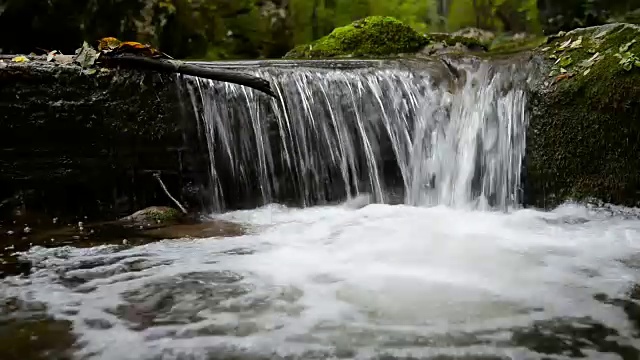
[[369, 37], [81, 143], [377, 36], [584, 133]]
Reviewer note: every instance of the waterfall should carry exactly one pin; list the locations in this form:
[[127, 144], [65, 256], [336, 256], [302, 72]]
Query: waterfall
[[424, 134]]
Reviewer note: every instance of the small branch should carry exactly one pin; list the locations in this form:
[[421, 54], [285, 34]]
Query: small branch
[[175, 66], [157, 176], [452, 69]]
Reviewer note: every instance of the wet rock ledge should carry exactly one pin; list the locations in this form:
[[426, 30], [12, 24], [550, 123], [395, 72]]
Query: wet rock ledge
[[77, 142]]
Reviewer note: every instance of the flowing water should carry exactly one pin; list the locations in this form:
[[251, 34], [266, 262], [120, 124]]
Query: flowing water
[[451, 138], [453, 269]]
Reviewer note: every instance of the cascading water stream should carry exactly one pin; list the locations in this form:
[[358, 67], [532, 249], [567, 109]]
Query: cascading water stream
[[437, 136], [343, 281]]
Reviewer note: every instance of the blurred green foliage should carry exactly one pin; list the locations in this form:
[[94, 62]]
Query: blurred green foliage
[[236, 29]]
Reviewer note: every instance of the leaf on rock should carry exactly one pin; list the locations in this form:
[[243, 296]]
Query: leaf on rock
[[51, 55], [565, 61], [86, 56], [113, 47], [108, 44], [562, 77], [20, 59], [63, 59], [590, 61], [627, 46], [577, 44], [565, 44]]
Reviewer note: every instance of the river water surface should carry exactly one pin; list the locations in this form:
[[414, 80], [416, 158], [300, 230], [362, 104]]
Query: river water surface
[[372, 282]]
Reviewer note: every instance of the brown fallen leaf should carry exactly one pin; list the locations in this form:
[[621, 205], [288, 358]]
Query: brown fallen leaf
[[562, 77], [112, 46]]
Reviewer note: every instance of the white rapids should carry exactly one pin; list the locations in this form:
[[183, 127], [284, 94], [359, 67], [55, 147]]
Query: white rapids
[[356, 282]]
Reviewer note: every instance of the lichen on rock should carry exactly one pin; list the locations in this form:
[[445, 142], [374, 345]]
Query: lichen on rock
[[584, 134], [373, 36]]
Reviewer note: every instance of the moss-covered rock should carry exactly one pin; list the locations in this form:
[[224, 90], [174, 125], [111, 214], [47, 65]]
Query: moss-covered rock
[[584, 135], [442, 43], [481, 36], [516, 43], [155, 214], [372, 36]]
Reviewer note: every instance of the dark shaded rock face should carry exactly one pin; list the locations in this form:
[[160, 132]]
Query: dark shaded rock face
[[584, 135], [74, 143]]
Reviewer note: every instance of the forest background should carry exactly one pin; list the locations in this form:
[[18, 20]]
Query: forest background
[[251, 29]]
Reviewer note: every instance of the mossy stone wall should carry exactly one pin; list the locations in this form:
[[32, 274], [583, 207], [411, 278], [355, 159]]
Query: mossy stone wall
[[80, 144], [584, 134]]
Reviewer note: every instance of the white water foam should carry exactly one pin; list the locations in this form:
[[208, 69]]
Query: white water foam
[[348, 281]]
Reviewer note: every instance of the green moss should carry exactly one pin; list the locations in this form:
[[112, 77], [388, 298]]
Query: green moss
[[163, 215], [373, 36], [156, 215], [584, 135]]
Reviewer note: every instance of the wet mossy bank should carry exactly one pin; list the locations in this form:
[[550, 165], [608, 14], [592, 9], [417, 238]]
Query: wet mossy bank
[[88, 143], [584, 134]]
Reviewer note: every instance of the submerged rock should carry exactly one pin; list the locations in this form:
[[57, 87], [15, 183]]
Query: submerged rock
[[28, 333], [584, 134], [155, 215]]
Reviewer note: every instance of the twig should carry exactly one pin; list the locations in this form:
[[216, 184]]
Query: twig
[[157, 176]]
